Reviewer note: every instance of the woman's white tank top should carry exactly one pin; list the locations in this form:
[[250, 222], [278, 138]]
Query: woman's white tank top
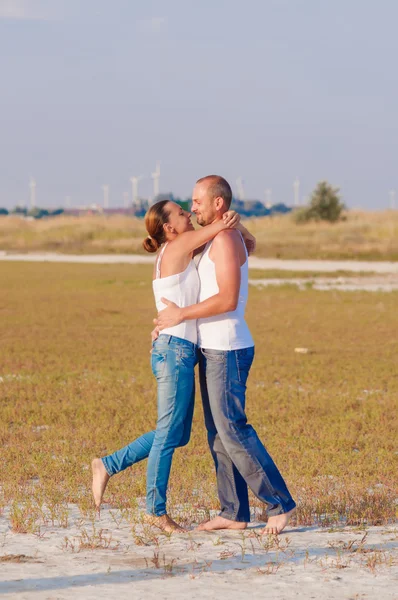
[[183, 289], [228, 331]]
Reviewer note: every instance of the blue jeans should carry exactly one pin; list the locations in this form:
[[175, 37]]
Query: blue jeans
[[239, 456], [173, 363]]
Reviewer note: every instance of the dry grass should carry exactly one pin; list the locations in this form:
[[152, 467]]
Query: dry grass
[[364, 235], [76, 383]]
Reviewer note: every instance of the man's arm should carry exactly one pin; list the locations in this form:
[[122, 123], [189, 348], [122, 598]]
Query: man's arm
[[225, 253]]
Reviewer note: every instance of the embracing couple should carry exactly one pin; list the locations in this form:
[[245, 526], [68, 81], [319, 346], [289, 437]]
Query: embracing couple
[[201, 308]]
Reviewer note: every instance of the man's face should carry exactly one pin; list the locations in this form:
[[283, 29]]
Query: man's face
[[203, 205]]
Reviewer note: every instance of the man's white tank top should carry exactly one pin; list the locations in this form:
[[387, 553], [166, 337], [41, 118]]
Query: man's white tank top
[[228, 331], [183, 289]]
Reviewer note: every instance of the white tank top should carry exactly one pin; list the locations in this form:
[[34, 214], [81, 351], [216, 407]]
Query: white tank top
[[183, 289], [228, 331]]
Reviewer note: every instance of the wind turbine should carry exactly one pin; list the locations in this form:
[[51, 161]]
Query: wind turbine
[[268, 195], [296, 189], [125, 199], [105, 187], [239, 185], [32, 186], [134, 187], [67, 201], [392, 199], [156, 176]]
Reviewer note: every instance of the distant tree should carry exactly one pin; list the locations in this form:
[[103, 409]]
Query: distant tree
[[56, 212], [19, 210], [37, 213], [325, 205], [3, 211], [280, 208]]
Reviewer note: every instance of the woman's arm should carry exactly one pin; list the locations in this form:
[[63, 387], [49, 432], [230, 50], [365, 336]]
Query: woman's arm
[[188, 241], [248, 238]]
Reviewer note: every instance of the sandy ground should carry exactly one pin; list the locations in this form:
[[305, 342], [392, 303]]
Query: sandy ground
[[383, 276], [387, 282], [254, 262], [304, 562]]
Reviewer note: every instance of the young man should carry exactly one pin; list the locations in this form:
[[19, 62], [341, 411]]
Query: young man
[[227, 352]]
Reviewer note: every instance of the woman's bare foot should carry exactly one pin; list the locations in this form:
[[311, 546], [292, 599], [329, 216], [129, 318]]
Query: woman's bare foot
[[165, 523], [100, 480], [277, 524], [220, 523]]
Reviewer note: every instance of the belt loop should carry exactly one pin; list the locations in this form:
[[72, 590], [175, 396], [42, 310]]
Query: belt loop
[[169, 340]]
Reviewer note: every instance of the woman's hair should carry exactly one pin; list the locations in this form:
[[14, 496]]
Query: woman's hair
[[155, 218]]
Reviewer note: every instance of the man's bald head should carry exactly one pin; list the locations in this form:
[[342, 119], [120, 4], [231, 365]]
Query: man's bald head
[[217, 187]]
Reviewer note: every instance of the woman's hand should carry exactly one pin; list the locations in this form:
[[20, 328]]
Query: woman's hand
[[231, 218], [250, 242]]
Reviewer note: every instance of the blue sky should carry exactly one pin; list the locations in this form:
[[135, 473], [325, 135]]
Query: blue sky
[[94, 91]]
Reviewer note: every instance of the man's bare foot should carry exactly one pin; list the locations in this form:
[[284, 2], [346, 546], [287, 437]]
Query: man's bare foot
[[100, 480], [165, 523], [277, 524], [220, 523]]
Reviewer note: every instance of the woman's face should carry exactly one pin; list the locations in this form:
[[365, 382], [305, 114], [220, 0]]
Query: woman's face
[[179, 219]]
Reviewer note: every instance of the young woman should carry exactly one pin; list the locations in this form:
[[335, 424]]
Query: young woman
[[174, 356]]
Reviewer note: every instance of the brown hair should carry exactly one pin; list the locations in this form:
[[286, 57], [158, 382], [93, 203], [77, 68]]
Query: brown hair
[[218, 187], [155, 218]]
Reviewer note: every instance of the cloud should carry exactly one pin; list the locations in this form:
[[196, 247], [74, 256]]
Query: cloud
[[152, 25], [25, 10]]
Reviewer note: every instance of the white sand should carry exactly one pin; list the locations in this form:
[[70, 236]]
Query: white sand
[[377, 283], [254, 262], [386, 279], [310, 563]]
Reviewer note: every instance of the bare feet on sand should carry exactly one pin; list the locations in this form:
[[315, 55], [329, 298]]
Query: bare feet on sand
[[100, 480], [165, 523], [277, 524], [220, 523]]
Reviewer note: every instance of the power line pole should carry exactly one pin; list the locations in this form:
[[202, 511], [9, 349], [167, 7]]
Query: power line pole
[[296, 190]]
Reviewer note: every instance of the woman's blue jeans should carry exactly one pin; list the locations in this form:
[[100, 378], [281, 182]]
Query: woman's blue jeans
[[173, 363]]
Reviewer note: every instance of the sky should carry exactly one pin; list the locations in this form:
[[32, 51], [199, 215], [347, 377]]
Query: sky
[[93, 92]]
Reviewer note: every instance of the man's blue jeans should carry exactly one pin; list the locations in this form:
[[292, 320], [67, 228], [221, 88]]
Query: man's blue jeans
[[173, 363], [239, 456]]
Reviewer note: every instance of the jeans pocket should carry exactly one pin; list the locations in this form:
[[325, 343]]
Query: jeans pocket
[[158, 362], [186, 357], [217, 356]]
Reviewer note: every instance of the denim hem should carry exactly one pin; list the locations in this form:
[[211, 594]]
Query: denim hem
[[106, 467], [156, 515], [280, 510], [233, 518]]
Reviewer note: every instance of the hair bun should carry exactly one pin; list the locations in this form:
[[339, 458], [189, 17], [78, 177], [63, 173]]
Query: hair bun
[[150, 244]]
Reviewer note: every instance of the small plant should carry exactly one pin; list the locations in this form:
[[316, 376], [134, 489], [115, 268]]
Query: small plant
[[90, 541], [23, 517], [271, 568]]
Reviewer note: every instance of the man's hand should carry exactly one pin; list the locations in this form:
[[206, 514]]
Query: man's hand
[[169, 317]]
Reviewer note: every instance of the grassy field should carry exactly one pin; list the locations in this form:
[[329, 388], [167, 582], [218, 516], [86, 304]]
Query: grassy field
[[75, 382], [364, 235]]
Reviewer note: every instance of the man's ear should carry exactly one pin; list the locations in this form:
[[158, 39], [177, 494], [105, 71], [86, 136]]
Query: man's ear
[[219, 202]]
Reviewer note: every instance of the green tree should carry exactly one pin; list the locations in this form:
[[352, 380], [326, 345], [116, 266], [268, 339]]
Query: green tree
[[325, 205], [19, 210], [3, 211]]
